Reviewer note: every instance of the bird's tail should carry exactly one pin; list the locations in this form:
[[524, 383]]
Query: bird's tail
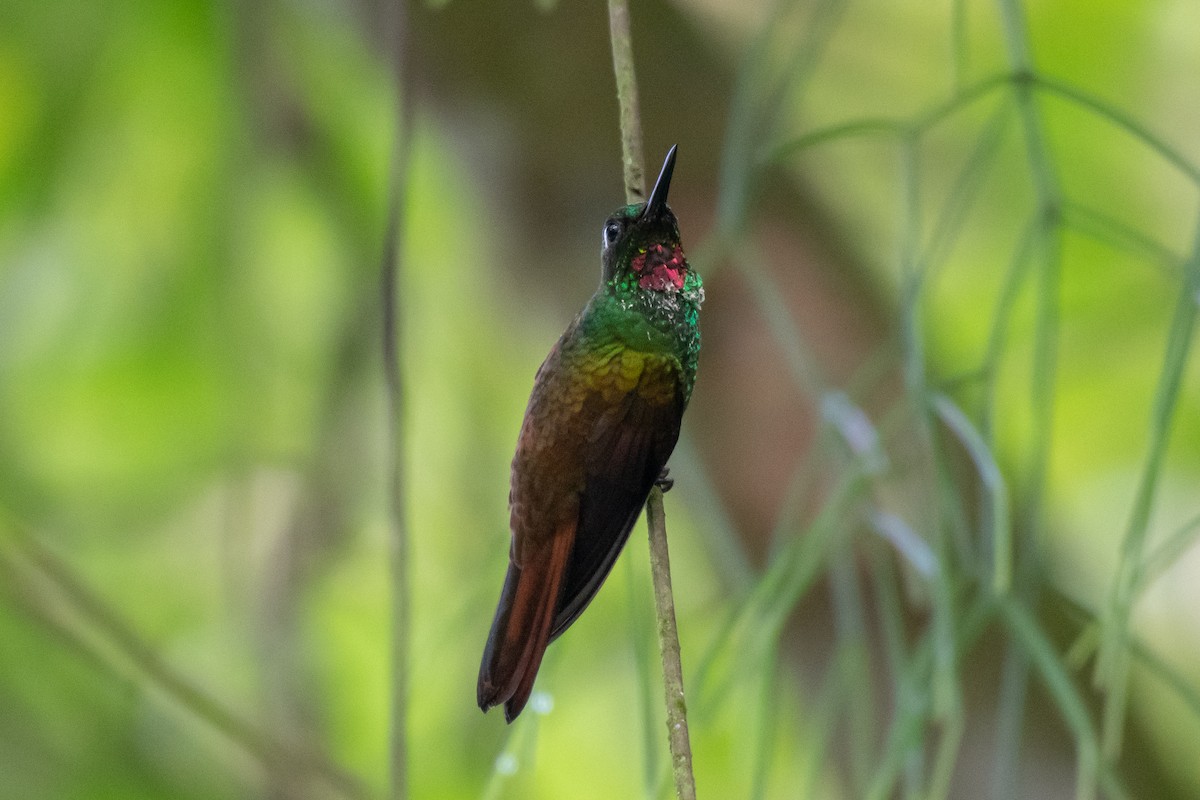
[[521, 629]]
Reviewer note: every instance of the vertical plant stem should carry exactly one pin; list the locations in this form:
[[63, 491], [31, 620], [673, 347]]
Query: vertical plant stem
[[639, 624], [395, 26], [668, 644], [660, 565], [1049, 260], [1010, 719], [632, 161], [1114, 662]]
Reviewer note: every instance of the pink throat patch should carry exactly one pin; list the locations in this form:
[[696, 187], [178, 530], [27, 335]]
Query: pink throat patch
[[660, 269]]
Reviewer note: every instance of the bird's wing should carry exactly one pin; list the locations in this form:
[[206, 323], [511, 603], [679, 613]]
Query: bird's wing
[[626, 449]]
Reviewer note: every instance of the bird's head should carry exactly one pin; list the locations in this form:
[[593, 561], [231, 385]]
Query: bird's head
[[641, 248]]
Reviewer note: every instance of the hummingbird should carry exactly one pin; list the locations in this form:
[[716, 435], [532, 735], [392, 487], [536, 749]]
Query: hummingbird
[[602, 420]]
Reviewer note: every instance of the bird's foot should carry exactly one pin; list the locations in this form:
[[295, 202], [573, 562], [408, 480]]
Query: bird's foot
[[664, 480]]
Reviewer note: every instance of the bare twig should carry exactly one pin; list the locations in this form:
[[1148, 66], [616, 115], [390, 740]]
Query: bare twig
[[632, 160], [668, 645], [660, 566]]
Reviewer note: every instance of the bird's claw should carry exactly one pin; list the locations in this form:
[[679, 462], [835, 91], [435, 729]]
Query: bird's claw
[[664, 481]]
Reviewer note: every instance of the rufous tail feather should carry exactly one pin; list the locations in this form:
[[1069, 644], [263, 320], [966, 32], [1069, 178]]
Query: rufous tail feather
[[521, 630]]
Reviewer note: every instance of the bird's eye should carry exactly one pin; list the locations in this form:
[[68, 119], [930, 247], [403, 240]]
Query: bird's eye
[[611, 231]]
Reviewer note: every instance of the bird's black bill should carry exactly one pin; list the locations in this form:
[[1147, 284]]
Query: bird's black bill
[[658, 197]]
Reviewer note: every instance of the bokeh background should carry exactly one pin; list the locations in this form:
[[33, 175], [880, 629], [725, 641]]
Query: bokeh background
[[935, 511]]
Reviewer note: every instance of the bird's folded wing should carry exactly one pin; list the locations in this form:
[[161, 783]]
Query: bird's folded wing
[[627, 448]]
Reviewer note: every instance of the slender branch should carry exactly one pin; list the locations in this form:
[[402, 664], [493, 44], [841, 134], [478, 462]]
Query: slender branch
[[395, 27], [632, 160], [668, 645], [660, 564]]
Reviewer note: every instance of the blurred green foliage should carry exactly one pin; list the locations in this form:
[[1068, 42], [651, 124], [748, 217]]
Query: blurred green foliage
[[193, 529]]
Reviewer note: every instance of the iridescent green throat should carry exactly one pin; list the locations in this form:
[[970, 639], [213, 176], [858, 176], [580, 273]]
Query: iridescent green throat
[[651, 321]]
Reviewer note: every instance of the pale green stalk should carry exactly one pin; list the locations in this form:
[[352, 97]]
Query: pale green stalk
[[660, 568]]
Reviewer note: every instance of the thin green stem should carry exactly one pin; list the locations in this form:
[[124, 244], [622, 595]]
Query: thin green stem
[[997, 521], [1049, 201], [835, 686], [516, 755], [966, 188], [886, 585], [1001, 319], [945, 757], [839, 132], [1104, 228], [901, 129], [1113, 664], [640, 628], [849, 616], [1167, 553], [724, 544], [914, 703], [1045, 374], [1010, 711], [947, 693], [1092, 769], [795, 569], [395, 24], [802, 363], [768, 721], [764, 610], [961, 100], [755, 110], [1183, 687], [1120, 119]]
